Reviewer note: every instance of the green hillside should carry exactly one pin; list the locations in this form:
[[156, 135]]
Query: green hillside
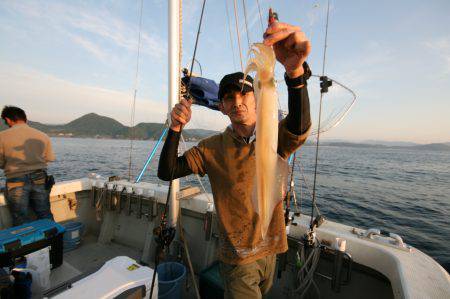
[[96, 126], [92, 125], [146, 131]]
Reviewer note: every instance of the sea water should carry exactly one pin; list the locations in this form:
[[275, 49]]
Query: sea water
[[400, 190]]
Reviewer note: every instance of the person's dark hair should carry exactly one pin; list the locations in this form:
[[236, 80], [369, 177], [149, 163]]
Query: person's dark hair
[[13, 113]]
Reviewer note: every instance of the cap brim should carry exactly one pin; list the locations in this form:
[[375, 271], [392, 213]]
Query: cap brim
[[225, 89]]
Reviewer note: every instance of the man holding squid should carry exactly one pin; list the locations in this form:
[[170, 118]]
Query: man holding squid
[[247, 257]]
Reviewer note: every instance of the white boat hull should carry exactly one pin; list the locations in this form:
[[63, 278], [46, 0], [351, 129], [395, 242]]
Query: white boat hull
[[411, 273]]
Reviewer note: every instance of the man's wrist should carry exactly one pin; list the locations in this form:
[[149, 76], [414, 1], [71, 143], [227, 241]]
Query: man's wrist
[[173, 134], [297, 79], [295, 73]]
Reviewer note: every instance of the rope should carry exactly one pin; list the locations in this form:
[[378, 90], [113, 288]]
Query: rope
[[231, 36], [320, 115], [246, 26], [305, 274], [237, 33], [133, 103]]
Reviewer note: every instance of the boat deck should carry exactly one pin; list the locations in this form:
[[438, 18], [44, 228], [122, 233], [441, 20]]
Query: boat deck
[[91, 255], [380, 270], [88, 258]]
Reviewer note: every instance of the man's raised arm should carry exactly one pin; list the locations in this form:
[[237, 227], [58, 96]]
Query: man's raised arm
[[170, 165]]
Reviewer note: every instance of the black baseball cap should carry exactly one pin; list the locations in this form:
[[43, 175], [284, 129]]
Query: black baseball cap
[[235, 80]]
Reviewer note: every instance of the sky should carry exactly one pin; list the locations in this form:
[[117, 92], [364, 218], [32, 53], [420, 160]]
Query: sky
[[60, 60]]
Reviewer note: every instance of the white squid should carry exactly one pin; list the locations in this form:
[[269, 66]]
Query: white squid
[[270, 168]]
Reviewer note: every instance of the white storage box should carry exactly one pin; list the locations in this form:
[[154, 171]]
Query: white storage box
[[39, 259], [115, 277], [38, 264]]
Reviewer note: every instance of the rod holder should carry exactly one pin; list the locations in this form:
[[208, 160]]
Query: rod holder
[[336, 278]]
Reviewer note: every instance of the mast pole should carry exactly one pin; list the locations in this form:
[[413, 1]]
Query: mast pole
[[174, 88]]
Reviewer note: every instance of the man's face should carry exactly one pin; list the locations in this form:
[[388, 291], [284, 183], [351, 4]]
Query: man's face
[[240, 108]]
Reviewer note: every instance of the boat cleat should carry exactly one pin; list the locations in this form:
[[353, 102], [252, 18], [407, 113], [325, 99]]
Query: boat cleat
[[383, 238]]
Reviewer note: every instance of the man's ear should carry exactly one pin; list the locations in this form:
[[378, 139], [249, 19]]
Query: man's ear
[[8, 121]]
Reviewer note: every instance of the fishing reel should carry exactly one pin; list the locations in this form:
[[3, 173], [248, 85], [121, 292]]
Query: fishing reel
[[201, 91], [164, 235], [310, 236]]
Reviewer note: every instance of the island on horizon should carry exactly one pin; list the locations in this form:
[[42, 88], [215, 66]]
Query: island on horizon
[[93, 125]]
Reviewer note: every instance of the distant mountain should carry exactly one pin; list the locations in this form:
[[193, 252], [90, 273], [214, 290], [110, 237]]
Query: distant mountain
[[97, 126], [191, 134], [146, 130], [40, 126], [369, 142], [351, 144], [388, 143], [434, 146], [431, 146]]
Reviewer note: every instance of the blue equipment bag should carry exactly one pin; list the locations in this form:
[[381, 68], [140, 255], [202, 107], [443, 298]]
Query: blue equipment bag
[[205, 92], [24, 239]]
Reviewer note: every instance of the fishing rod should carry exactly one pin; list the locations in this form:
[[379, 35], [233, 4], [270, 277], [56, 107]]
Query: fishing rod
[[308, 256], [325, 83], [164, 233]]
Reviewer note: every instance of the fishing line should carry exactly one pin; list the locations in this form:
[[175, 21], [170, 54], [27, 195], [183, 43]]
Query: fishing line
[[199, 67], [307, 188], [196, 43], [246, 26], [231, 35], [312, 17], [133, 103], [260, 16], [320, 115], [305, 275], [237, 33]]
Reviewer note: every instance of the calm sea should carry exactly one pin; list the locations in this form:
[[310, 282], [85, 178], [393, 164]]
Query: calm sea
[[398, 190]]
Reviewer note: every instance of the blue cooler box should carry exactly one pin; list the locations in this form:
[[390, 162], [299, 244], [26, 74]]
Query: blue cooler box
[[24, 239]]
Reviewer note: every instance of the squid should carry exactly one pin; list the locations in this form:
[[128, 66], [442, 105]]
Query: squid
[[271, 169]]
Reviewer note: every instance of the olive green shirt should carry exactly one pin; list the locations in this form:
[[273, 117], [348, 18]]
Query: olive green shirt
[[24, 149], [229, 162]]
